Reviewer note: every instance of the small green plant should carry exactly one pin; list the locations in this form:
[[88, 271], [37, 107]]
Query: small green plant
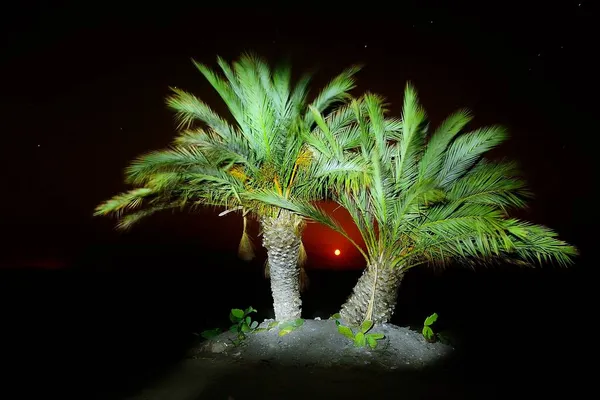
[[428, 333], [290, 326], [242, 323], [362, 338]]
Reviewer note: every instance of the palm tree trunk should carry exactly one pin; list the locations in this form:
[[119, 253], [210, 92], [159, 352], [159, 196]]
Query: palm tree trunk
[[374, 296], [281, 238]]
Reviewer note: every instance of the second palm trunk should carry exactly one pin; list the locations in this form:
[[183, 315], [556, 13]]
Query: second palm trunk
[[281, 238], [374, 296]]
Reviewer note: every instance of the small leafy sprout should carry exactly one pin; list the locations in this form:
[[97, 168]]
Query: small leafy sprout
[[210, 333], [290, 326], [335, 316], [242, 323], [428, 333], [362, 338]]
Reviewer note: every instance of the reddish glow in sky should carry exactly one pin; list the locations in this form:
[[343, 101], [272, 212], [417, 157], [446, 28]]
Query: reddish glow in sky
[[323, 244]]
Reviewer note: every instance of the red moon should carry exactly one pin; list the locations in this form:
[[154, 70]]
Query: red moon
[[337, 252]]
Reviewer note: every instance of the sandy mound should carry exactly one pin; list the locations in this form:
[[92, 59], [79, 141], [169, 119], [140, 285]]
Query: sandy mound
[[314, 361], [318, 343]]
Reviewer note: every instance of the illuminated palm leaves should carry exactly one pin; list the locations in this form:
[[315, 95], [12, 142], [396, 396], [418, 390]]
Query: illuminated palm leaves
[[417, 199], [217, 160], [438, 200]]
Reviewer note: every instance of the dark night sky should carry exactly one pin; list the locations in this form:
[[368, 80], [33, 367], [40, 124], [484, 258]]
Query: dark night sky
[[84, 91]]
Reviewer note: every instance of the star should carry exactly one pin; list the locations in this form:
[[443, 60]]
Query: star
[[39, 145], [365, 46], [431, 22]]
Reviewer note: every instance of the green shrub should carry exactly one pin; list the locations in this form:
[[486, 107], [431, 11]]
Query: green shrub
[[242, 323], [362, 338]]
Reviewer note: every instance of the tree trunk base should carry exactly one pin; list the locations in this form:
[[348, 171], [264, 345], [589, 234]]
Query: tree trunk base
[[282, 241], [386, 280]]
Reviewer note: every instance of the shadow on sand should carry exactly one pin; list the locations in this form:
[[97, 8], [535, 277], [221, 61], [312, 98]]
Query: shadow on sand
[[269, 380]]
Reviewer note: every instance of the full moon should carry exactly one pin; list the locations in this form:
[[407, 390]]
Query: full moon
[[337, 252]]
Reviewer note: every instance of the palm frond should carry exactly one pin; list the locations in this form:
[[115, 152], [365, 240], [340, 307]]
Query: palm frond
[[123, 202], [335, 91], [433, 156], [491, 183], [299, 94], [324, 128], [375, 111], [537, 243], [172, 160], [411, 143], [127, 221], [226, 89], [466, 150], [190, 109], [357, 203], [324, 173]]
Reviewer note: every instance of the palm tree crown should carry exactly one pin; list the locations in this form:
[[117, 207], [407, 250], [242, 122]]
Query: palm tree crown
[[217, 162], [419, 200]]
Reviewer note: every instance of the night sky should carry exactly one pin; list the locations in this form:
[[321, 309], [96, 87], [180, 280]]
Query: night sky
[[83, 94]]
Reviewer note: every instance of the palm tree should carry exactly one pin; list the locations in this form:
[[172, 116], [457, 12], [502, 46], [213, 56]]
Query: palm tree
[[215, 162], [419, 200]]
